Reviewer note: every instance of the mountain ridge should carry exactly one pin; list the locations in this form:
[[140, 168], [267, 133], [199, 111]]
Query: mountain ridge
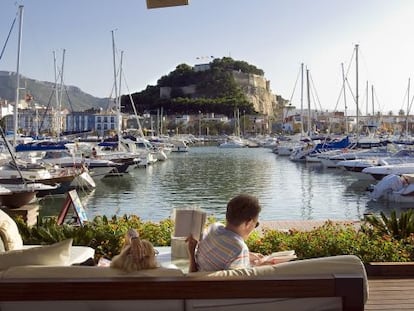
[[43, 93]]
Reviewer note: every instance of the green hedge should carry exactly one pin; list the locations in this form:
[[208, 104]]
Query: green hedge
[[332, 239], [106, 236]]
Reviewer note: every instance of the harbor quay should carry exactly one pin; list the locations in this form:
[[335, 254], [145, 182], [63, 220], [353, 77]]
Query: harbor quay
[[302, 225]]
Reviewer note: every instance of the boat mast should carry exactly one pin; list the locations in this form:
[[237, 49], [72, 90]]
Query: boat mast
[[236, 115], [343, 87], [356, 90], [19, 48], [12, 155], [56, 88], [372, 104], [309, 105], [60, 97], [59, 92], [301, 100], [408, 109], [119, 128], [115, 83], [367, 99]]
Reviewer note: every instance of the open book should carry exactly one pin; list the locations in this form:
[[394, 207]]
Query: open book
[[189, 221], [279, 257]]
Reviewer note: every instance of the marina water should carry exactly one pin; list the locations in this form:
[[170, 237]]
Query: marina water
[[207, 177]]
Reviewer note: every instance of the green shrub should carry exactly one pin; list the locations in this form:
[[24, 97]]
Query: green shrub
[[330, 240], [268, 242], [106, 236], [400, 227]]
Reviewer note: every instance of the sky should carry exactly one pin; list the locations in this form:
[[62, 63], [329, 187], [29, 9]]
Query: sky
[[274, 35]]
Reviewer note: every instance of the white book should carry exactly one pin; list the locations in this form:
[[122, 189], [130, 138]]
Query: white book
[[280, 256], [189, 221]]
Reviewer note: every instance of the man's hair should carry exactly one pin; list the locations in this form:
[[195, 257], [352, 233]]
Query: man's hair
[[242, 208]]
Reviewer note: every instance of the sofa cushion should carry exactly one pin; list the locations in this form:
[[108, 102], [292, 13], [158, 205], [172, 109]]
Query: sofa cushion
[[78, 254], [84, 272], [344, 264], [55, 254], [9, 233]]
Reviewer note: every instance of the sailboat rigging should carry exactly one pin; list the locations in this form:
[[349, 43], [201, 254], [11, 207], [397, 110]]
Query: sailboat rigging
[[17, 98], [59, 91]]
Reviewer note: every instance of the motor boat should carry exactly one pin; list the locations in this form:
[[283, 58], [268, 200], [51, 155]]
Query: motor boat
[[98, 168], [379, 172], [18, 171], [394, 188], [233, 142]]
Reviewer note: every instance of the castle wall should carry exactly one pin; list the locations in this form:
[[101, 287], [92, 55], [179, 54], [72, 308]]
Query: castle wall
[[257, 90]]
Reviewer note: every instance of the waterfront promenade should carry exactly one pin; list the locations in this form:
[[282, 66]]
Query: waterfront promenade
[[302, 225]]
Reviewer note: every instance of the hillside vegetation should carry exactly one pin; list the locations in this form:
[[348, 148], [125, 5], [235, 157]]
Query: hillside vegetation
[[216, 90]]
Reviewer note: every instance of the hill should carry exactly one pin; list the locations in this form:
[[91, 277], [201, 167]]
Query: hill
[[220, 86], [43, 93]]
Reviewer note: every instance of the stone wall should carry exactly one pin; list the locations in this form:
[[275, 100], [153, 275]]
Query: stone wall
[[257, 90]]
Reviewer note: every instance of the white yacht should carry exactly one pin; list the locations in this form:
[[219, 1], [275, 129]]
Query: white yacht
[[98, 168], [64, 179], [233, 142], [394, 188]]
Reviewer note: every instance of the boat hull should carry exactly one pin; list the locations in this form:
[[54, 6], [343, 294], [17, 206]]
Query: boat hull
[[17, 199]]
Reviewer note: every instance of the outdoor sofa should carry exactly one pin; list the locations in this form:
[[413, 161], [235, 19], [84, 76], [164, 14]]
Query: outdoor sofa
[[44, 278]]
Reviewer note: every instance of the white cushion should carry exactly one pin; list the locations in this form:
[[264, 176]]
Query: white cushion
[[344, 264], [84, 272], [78, 254], [56, 254], [9, 233]]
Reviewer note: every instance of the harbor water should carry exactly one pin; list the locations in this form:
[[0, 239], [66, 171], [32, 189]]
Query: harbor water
[[207, 177]]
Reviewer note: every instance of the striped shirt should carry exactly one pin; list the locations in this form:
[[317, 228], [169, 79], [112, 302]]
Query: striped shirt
[[221, 249]]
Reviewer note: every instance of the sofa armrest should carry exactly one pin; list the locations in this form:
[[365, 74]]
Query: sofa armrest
[[347, 287]]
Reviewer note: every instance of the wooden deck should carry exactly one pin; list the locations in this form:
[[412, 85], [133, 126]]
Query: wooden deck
[[390, 294], [391, 286]]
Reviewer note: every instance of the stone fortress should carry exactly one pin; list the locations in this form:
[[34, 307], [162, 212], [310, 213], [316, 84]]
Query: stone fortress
[[255, 87]]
